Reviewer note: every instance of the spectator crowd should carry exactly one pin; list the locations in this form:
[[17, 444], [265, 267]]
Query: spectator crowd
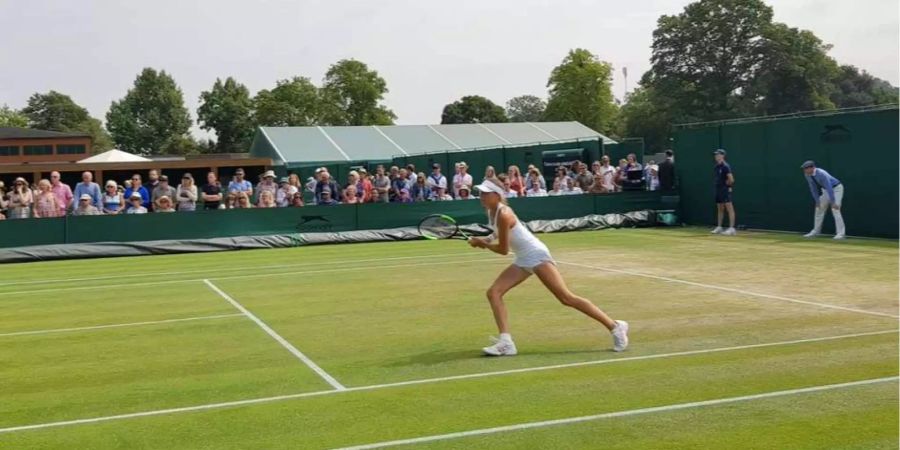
[[52, 198]]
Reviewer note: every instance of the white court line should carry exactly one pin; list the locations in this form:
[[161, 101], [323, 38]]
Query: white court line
[[254, 401], [225, 269], [728, 289], [625, 413], [255, 275], [118, 325], [284, 343]]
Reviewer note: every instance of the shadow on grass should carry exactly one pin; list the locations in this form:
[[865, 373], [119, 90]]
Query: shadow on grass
[[437, 357]]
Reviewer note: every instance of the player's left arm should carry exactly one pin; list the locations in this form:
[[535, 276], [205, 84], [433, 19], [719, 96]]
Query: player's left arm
[[500, 245], [729, 179]]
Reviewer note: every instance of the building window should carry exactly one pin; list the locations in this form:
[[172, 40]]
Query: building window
[[9, 150], [70, 149], [38, 149]]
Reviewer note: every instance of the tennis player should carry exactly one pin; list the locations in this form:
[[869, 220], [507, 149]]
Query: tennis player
[[532, 257]]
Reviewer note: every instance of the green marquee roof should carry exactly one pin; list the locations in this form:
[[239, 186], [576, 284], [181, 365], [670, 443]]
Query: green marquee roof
[[295, 145]]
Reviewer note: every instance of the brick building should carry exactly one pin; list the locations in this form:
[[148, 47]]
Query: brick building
[[23, 145]]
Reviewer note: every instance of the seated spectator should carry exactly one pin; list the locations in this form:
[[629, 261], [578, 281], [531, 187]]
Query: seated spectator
[[398, 183], [326, 183], [535, 184], [186, 194], [266, 199], [239, 184], [465, 194], [20, 200], [563, 183], [113, 199], [420, 191], [163, 189], [85, 206], [608, 174], [504, 179], [364, 186], [285, 193], [267, 184], [212, 192], [325, 198], [46, 203], [297, 200], [436, 179], [631, 179], [136, 186], [490, 173], [516, 181], [405, 197], [597, 186], [381, 186], [231, 201], [164, 204], [243, 201], [136, 204], [462, 178], [294, 180], [438, 194], [584, 179], [350, 197]]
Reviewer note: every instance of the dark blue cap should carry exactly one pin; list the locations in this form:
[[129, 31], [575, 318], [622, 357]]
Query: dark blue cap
[[808, 164], [719, 152]]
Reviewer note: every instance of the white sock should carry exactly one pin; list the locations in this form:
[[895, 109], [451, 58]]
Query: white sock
[[506, 337]]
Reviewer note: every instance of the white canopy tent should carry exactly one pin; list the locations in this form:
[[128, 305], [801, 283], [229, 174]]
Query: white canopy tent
[[114, 156]]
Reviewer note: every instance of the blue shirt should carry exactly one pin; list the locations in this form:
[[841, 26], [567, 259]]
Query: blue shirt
[[145, 196], [821, 180], [93, 190], [239, 186], [722, 171]]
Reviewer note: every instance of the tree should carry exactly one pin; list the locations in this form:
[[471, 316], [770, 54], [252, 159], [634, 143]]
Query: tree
[[853, 87], [227, 109], [708, 55], [295, 102], [796, 75], [473, 109], [12, 118], [151, 118], [352, 94], [55, 111], [649, 116], [581, 89], [525, 108]]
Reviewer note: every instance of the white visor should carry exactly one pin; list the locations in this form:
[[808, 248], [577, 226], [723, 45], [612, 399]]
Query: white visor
[[487, 186]]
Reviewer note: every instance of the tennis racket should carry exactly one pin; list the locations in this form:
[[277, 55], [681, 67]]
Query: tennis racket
[[441, 226]]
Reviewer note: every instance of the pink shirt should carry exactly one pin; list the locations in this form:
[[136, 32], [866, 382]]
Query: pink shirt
[[63, 194]]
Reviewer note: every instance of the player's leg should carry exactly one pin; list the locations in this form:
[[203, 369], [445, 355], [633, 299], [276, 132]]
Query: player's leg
[[720, 215], [731, 218], [511, 277], [554, 282], [839, 227]]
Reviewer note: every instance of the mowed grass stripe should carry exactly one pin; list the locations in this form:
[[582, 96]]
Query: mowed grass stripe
[[119, 325], [323, 421]]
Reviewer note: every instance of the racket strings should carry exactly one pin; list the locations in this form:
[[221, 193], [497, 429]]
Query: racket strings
[[437, 227]]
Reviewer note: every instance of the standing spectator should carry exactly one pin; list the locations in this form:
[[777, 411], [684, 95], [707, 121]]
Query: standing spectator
[[243, 201], [267, 199], [597, 186], [507, 188], [294, 180], [164, 203], [231, 201], [20, 200], [563, 183], [667, 172], [162, 189], [141, 190], [240, 185], [285, 193], [398, 184], [364, 186], [405, 197], [85, 206], [653, 177], [350, 197], [62, 192], [381, 186], [723, 182], [411, 175], [186, 194], [212, 192], [438, 194], [608, 175], [297, 200], [490, 173], [153, 180], [584, 179], [534, 185], [136, 204], [87, 186], [326, 183], [420, 191], [826, 191], [113, 200], [47, 204], [266, 185], [311, 183], [436, 179], [461, 178], [516, 181]]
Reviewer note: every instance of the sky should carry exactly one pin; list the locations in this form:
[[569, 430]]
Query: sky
[[430, 52]]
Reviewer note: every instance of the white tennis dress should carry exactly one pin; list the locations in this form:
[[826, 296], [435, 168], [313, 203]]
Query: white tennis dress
[[529, 250]]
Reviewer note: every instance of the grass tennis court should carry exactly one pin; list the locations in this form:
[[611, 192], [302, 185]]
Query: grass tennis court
[[757, 341]]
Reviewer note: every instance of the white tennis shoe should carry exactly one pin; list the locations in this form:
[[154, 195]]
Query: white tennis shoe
[[620, 336], [811, 234], [840, 236], [501, 347], [717, 230], [729, 232]]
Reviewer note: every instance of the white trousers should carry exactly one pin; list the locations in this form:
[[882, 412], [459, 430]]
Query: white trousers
[[824, 205]]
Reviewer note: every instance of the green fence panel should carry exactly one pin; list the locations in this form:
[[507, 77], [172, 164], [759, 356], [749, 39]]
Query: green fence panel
[[22, 232], [561, 207], [395, 215], [633, 201], [694, 173]]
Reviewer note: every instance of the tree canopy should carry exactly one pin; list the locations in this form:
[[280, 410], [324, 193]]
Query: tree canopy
[[525, 108], [54, 111], [581, 89], [352, 94], [473, 109], [227, 109]]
